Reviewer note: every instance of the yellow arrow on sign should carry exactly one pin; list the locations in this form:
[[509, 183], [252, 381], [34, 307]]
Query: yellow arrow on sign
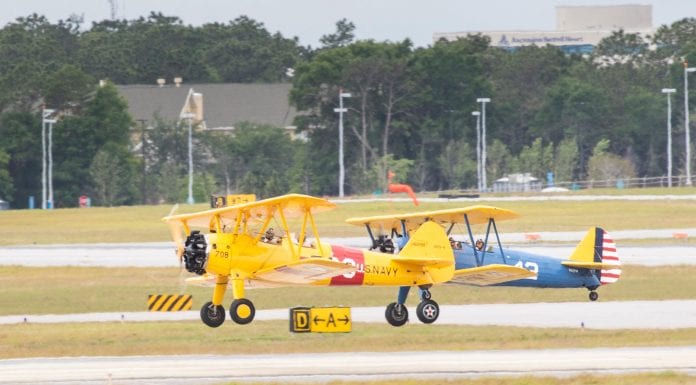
[[321, 320]]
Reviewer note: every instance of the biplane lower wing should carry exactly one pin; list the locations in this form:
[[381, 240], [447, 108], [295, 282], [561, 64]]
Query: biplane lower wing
[[304, 271], [490, 275], [208, 280]]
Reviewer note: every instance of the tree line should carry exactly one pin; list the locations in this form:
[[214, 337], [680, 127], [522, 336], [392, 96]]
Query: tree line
[[599, 116]]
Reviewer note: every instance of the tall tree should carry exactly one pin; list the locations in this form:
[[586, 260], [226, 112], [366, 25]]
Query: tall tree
[[30, 50], [343, 36], [21, 133], [77, 139]]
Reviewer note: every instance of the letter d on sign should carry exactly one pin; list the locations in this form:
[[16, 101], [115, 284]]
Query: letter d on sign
[[299, 320]]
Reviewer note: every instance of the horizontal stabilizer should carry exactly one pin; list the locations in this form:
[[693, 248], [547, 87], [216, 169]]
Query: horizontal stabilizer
[[589, 265], [304, 271], [490, 275], [421, 261]]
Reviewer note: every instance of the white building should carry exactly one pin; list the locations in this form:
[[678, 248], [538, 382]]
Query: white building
[[578, 28]]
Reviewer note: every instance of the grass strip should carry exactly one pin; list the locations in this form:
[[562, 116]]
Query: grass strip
[[61, 290], [143, 223], [660, 378], [262, 337]]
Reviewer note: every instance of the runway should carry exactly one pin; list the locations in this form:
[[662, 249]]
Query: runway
[[592, 315], [361, 366]]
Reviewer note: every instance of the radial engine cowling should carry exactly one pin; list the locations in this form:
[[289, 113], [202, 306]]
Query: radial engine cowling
[[195, 253]]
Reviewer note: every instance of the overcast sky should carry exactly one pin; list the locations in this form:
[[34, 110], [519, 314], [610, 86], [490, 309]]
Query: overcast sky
[[392, 20]]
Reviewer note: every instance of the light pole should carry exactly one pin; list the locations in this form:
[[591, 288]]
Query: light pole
[[477, 114], [483, 102], [47, 199], [341, 110], [669, 92], [686, 121], [190, 117]]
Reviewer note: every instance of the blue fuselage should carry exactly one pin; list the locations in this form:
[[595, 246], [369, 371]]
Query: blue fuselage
[[550, 271]]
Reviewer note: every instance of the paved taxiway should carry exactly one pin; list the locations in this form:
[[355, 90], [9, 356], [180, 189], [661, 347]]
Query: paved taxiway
[[200, 369], [595, 315]]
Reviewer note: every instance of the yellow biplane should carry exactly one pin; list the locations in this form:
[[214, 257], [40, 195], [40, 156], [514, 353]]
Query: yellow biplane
[[252, 245]]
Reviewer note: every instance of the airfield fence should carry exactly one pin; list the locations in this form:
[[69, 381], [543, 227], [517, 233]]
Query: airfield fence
[[619, 183]]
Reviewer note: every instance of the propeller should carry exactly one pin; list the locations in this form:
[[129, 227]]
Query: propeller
[[175, 231]]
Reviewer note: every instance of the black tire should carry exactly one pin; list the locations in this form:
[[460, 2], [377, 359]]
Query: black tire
[[212, 315], [428, 311], [594, 296], [242, 311], [397, 315]]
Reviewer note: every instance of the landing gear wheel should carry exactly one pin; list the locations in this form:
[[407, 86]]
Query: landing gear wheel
[[397, 314], [427, 311], [242, 311], [593, 296], [212, 315]]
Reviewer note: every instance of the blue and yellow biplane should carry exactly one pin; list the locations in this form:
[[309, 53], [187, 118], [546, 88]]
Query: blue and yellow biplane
[[484, 261]]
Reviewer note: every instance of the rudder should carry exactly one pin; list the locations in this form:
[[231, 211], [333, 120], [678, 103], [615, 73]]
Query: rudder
[[609, 256], [597, 251]]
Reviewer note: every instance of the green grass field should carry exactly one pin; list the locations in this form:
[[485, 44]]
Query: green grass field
[[143, 223], [263, 337], [664, 378], [60, 290]]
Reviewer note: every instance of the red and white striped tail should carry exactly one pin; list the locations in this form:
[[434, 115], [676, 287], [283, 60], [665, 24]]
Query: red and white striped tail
[[609, 256]]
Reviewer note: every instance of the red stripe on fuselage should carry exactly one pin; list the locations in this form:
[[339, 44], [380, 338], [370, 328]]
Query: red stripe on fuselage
[[354, 257]]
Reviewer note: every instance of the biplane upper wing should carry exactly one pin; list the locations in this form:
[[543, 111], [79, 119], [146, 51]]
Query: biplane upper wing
[[490, 275], [291, 204], [478, 214]]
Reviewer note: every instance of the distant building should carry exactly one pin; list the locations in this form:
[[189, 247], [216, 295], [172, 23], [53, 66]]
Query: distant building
[[212, 106], [517, 183], [578, 28]]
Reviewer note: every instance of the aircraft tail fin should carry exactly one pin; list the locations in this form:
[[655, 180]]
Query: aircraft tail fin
[[597, 251], [428, 246]]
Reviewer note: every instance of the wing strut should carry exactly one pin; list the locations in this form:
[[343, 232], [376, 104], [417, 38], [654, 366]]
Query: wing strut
[[317, 241], [295, 253]]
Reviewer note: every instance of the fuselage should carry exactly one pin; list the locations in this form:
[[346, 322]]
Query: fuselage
[[242, 256], [550, 272]]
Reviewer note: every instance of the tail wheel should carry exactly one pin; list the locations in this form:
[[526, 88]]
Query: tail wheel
[[242, 311], [212, 315], [396, 314], [427, 311], [593, 296]]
